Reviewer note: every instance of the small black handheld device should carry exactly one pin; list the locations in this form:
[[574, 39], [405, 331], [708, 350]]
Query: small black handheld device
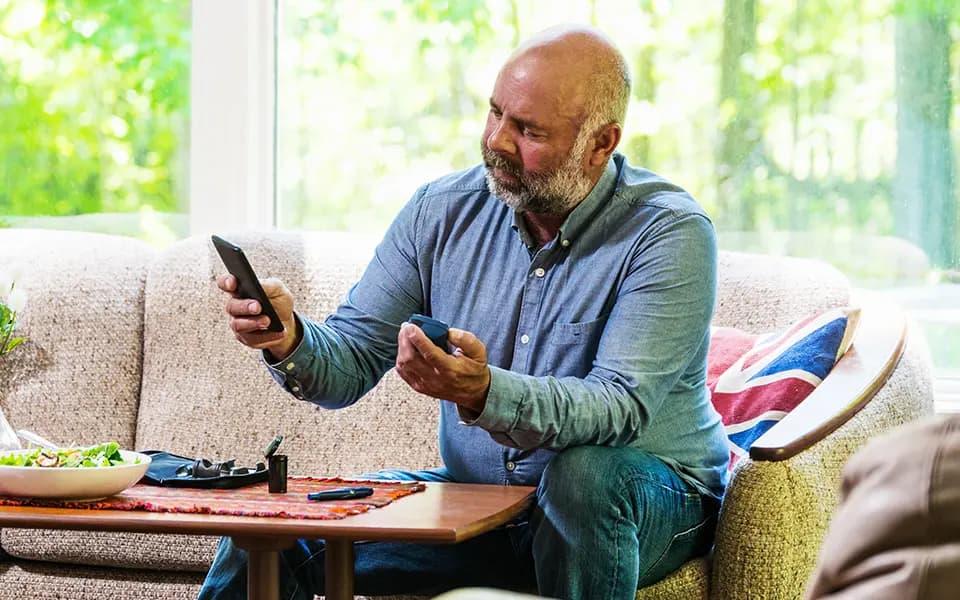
[[341, 494], [248, 285], [435, 329]]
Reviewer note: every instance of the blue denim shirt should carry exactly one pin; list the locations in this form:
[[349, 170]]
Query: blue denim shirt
[[599, 337]]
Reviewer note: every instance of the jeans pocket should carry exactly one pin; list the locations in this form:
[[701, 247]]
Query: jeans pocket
[[686, 544]]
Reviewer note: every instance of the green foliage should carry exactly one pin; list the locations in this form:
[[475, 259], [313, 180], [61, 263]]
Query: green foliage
[[94, 100], [926, 8], [8, 321], [777, 115], [791, 128]]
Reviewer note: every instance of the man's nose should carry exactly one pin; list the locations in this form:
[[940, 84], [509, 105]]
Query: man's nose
[[499, 139]]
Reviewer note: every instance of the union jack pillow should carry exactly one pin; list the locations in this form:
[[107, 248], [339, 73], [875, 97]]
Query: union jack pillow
[[755, 380]]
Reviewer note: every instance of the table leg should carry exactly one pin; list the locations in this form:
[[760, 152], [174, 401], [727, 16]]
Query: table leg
[[339, 569], [263, 568]]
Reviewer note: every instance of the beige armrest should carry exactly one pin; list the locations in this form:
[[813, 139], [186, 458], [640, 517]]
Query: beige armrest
[[877, 347]]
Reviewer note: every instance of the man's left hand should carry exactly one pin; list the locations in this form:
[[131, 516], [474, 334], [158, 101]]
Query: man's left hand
[[461, 377]]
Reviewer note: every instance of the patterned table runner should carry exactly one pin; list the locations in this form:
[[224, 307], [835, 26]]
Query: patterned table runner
[[250, 501]]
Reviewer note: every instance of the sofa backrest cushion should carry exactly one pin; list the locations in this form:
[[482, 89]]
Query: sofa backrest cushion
[[759, 293], [206, 395], [77, 377]]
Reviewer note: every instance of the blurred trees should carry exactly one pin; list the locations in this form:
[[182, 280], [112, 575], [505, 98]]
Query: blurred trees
[[832, 117], [778, 116], [94, 99]]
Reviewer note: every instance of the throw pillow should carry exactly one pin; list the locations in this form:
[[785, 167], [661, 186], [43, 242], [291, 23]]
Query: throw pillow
[[755, 380]]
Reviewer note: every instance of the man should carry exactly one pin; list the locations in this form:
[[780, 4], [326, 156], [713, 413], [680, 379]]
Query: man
[[580, 292]]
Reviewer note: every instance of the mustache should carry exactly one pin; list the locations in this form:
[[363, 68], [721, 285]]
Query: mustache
[[493, 160]]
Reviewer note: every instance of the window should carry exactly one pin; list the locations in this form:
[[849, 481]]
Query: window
[[822, 128], [817, 128], [94, 107]]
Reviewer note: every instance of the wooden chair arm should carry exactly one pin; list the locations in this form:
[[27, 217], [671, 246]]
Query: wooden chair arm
[[878, 344]]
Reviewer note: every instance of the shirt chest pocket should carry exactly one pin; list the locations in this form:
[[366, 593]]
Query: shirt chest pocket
[[576, 334]]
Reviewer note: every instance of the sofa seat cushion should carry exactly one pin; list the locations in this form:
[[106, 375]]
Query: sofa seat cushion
[[20, 579], [689, 582], [163, 552]]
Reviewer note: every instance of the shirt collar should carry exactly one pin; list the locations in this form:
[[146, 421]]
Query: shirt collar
[[582, 216]]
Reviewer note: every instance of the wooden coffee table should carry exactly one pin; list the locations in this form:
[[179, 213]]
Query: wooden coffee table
[[444, 513]]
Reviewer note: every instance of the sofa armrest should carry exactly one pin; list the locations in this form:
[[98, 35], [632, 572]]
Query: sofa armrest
[[775, 513], [877, 347]]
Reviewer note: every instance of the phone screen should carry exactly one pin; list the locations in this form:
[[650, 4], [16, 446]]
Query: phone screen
[[248, 284]]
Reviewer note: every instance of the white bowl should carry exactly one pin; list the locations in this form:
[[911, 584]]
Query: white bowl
[[79, 483]]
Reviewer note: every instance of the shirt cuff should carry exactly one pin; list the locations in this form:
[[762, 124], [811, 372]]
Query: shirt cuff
[[500, 413], [289, 371]]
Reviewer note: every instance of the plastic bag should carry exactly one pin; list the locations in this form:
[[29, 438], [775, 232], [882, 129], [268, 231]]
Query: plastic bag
[[8, 437]]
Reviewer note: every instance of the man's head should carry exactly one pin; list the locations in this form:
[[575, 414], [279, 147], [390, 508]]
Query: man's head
[[556, 116]]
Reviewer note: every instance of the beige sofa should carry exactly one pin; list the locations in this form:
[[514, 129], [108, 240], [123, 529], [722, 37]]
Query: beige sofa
[[131, 344]]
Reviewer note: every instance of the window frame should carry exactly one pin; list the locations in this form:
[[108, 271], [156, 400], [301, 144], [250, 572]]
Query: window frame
[[233, 115]]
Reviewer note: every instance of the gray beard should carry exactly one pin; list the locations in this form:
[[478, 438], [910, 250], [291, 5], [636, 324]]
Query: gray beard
[[553, 193]]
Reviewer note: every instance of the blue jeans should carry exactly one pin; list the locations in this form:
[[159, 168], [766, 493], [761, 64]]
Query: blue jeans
[[606, 522]]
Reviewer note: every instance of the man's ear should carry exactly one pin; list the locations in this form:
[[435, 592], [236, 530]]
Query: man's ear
[[604, 143]]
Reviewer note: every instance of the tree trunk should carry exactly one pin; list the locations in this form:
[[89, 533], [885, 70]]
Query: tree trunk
[[925, 204]]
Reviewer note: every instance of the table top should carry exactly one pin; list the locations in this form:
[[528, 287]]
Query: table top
[[442, 513]]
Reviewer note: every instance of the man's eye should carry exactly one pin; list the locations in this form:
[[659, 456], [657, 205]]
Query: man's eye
[[532, 134]]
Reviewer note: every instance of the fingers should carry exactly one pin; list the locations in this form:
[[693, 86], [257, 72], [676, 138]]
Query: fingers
[[467, 344], [418, 359], [414, 350], [242, 325], [245, 317], [240, 307], [430, 352], [227, 283], [462, 377], [249, 325]]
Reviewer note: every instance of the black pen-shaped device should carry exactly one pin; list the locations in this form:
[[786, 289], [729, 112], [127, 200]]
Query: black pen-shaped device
[[272, 446], [347, 493]]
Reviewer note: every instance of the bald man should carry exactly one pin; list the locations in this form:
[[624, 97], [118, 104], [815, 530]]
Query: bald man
[[579, 291]]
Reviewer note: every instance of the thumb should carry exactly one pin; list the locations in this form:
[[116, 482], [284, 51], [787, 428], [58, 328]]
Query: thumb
[[468, 344]]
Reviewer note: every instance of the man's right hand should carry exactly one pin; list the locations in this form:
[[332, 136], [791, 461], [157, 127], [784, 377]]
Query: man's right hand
[[249, 326]]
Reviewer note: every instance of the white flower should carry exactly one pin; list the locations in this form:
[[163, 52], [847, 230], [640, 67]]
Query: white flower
[[17, 300]]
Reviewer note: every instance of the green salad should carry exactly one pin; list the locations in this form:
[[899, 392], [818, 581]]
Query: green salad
[[101, 455]]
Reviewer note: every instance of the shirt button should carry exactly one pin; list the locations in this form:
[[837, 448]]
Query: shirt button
[[295, 388], [290, 366], [510, 465], [524, 338], [539, 272], [565, 243]]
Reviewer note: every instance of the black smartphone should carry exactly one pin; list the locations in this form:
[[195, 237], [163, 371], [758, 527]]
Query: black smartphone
[[435, 329], [248, 285]]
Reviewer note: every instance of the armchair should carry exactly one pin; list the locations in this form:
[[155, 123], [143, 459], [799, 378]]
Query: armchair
[[779, 501]]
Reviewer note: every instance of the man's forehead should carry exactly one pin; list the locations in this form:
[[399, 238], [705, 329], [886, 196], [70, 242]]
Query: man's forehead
[[539, 86]]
